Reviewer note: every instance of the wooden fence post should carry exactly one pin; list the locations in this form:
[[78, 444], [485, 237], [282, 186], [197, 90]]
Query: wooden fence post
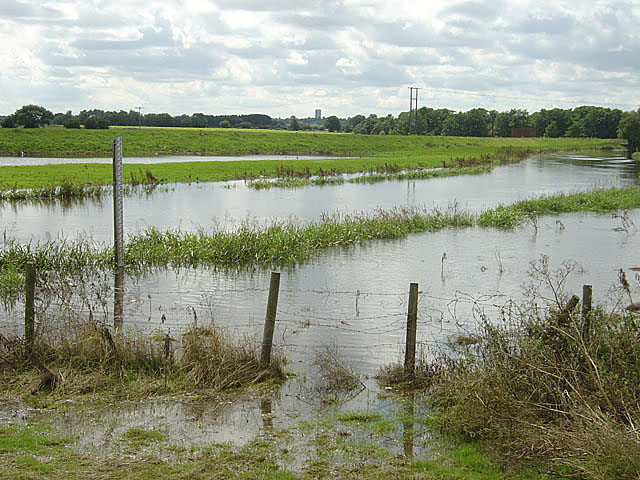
[[587, 297], [29, 309], [412, 321], [270, 318]]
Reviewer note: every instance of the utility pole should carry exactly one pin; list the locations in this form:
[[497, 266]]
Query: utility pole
[[413, 111], [139, 116]]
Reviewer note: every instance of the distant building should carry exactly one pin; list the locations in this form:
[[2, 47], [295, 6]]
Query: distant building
[[523, 132], [318, 114]]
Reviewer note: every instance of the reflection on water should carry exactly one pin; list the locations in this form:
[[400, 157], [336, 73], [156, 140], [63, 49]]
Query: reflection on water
[[13, 161]]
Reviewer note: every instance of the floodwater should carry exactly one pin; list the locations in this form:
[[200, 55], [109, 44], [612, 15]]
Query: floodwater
[[223, 205], [14, 161], [353, 300]]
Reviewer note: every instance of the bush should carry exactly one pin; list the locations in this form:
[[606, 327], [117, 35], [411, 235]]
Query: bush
[[71, 122], [560, 387], [95, 123], [9, 122]]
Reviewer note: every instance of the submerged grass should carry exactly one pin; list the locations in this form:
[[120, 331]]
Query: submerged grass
[[29, 451], [288, 242], [597, 201], [295, 182]]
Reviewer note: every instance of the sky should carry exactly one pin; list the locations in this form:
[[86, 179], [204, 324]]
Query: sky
[[289, 57]]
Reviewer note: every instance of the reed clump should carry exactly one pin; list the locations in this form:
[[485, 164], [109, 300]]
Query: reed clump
[[211, 361], [75, 357]]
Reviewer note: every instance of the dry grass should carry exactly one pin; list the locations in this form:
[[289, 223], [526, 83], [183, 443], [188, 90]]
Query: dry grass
[[79, 357]]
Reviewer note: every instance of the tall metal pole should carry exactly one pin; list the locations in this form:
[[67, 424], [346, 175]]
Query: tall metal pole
[[117, 203], [118, 298], [413, 111], [139, 116]]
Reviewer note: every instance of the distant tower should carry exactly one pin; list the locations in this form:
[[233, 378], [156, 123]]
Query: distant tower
[[318, 114]]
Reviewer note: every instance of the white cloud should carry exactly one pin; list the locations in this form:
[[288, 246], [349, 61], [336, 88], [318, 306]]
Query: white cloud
[[288, 57]]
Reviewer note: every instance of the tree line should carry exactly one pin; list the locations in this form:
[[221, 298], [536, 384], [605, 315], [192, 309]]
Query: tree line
[[584, 121]]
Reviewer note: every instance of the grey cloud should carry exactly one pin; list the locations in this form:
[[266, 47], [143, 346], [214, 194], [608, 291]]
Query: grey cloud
[[474, 10], [150, 38], [548, 26], [27, 11]]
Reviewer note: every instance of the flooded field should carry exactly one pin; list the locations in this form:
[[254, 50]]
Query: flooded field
[[350, 301]]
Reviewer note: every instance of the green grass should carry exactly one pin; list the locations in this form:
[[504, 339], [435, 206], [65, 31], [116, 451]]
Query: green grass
[[374, 153]]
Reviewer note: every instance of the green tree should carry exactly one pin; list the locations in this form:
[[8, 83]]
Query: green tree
[[199, 120], [33, 116], [294, 124], [9, 122], [552, 130], [333, 124], [629, 129], [353, 122], [225, 124]]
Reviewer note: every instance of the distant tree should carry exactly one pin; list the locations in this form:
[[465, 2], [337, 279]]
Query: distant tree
[[505, 121], [244, 125], [225, 124], [294, 124], [333, 124], [353, 122], [575, 129], [33, 116], [95, 123], [71, 122], [629, 129], [199, 120], [9, 122], [552, 130]]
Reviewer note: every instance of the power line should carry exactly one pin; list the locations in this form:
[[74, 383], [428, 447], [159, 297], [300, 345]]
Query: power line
[[139, 116], [413, 110], [536, 99]]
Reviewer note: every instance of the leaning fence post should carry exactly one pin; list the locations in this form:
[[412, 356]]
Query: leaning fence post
[[29, 310], [412, 321], [270, 318], [587, 296]]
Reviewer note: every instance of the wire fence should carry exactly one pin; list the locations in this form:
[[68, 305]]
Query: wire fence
[[356, 320]]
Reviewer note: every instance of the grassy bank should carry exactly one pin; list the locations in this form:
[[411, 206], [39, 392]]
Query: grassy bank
[[373, 153], [284, 243]]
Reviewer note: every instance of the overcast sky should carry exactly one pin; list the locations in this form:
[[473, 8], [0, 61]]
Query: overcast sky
[[289, 57]]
